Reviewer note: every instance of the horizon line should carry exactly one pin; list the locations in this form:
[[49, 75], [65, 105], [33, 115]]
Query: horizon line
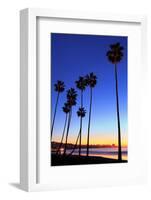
[[111, 145]]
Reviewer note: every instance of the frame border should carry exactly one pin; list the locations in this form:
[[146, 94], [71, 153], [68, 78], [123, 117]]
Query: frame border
[[28, 82]]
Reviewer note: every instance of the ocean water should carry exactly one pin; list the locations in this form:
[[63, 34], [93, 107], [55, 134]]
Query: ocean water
[[103, 152]]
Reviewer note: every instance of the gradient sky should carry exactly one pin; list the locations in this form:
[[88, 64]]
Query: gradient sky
[[74, 55]]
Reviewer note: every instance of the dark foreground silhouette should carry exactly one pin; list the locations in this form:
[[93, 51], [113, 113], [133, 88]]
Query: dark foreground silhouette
[[58, 160]]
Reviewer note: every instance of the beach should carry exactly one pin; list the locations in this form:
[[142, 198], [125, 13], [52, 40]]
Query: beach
[[61, 160]]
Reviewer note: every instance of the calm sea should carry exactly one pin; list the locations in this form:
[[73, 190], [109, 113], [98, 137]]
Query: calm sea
[[103, 152]]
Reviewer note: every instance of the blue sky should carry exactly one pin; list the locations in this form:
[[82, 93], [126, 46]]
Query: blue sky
[[74, 55]]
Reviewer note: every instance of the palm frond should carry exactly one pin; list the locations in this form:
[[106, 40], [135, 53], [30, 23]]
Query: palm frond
[[59, 86], [91, 79], [115, 53], [81, 112]]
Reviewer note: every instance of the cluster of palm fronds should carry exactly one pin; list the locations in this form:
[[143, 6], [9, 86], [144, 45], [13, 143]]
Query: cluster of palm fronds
[[114, 55], [90, 81]]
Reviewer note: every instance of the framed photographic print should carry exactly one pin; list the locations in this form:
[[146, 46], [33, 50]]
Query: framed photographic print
[[82, 78]]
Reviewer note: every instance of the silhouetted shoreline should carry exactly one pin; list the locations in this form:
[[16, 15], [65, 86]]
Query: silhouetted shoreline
[[55, 145], [60, 160]]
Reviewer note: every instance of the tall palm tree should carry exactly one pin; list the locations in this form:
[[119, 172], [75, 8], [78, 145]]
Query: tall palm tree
[[71, 100], [66, 109], [58, 87], [81, 113], [91, 82], [81, 85], [115, 55]]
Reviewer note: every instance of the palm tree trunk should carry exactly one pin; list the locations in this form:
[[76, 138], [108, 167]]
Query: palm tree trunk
[[80, 133], [80, 125], [118, 117], [68, 127], [74, 145], [54, 114], [65, 124], [88, 137]]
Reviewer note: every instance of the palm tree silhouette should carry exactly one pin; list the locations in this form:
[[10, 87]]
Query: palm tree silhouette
[[81, 85], [81, 113], [71, 100], [66, 109], [91, 80], [115, 55], [58, 87]]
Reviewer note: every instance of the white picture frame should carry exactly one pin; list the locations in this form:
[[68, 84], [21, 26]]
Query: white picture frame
[[29, 148]]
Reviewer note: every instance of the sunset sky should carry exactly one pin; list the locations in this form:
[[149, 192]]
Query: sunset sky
[[77, 55]]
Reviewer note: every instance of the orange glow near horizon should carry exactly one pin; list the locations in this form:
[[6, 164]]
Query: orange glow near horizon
[[97, 140]]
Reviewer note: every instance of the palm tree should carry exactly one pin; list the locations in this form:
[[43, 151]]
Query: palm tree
[[91, 80], [81, 85], [59, 87], [81, 113], [71, 100], [66, 109], [115, 55]]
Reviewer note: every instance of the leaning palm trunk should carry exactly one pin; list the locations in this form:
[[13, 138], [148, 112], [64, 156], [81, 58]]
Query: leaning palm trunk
[[88, 137], [74, 145], [67, 133], [118, 117], [54, 114], [61, 142], [80, 133]]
